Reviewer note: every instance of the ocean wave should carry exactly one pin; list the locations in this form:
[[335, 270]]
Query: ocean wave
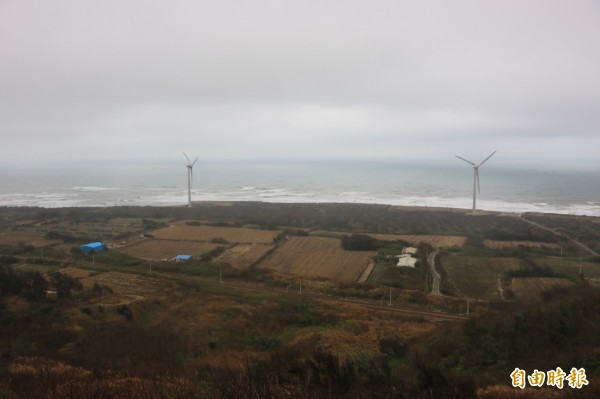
[[169, 197], [93, 188]]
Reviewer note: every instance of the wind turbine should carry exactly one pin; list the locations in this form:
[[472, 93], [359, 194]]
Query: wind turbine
[[476, 186], [190, 167]]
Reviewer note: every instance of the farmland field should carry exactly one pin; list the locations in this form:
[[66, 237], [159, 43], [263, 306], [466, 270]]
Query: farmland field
[[318, 257], [244, 255], [15, 238], [571, 266], [476, 276], [530, 288], [161, 249], [433, 240], [494, 244], [207, 233]]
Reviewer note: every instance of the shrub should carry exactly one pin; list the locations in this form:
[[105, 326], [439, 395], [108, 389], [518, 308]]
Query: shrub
[[8, 260], [124, 311], [63, 283], [360, 242]]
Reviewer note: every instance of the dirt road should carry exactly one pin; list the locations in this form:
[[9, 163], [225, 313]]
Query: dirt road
[[563, 235], [435, 288]]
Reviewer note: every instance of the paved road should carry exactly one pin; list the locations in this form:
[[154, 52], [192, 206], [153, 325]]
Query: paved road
[[563, 235], [435, 288]]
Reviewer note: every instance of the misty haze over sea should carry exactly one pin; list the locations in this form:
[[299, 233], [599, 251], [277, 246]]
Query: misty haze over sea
[[378, 182]]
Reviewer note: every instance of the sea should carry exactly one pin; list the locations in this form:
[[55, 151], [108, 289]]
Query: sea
[[503, 188]]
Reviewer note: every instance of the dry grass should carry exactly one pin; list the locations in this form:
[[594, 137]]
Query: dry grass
[[494, 244], [15, 238], [244, 255], [433, 240], [572, 266], [367, 272], [207, 233], [165, 249], [530, 288], [477, 277], [318, 257]]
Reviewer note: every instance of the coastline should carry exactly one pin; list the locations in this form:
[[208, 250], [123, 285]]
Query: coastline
[[198, 205]]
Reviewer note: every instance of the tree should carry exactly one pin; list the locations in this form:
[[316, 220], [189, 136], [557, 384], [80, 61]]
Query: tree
[[360, 242], [63, 283]]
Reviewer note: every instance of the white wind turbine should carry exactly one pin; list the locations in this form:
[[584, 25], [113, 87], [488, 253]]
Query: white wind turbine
[[476, 186], [190, 167]]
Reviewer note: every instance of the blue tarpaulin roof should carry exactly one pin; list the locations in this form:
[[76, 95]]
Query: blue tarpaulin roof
[[183, 257], [92, 246]]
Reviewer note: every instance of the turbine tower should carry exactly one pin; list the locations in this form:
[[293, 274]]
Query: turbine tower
[[190, 167], [476, 186]]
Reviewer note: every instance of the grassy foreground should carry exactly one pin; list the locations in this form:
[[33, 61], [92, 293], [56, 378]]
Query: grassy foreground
[[130, 327]]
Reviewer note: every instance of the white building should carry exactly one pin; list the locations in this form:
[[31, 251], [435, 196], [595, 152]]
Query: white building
[[406, 261], [409, 250]]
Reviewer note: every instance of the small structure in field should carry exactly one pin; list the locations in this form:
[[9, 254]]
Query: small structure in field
[[93, 247], [182, 258], [409, 250], [406, 260]]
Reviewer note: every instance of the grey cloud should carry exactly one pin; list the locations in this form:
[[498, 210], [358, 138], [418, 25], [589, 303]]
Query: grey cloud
[[273, 78]]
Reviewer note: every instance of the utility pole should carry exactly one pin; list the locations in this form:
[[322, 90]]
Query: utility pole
[[390, 303], [468, 301], [220, 276]]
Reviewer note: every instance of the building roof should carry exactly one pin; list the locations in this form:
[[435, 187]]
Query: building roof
[[409, 250], [96, 244], [183, 257], [92, 247], [406, 262]]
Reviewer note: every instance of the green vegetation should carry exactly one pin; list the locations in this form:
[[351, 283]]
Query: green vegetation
[[162, 329], [360, 242]]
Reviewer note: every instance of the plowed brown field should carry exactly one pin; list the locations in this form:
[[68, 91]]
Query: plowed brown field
[[207, 233], [318, 257], [161, 249], [434, 241], [244, 255], [494, 244]]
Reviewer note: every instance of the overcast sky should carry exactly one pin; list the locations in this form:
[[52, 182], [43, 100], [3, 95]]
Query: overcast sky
[[146, 80]]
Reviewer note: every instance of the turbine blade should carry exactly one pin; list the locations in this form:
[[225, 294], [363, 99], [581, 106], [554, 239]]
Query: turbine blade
[[482, 162], [467, 161], [195, 161], [477, 177], [186, 157]]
